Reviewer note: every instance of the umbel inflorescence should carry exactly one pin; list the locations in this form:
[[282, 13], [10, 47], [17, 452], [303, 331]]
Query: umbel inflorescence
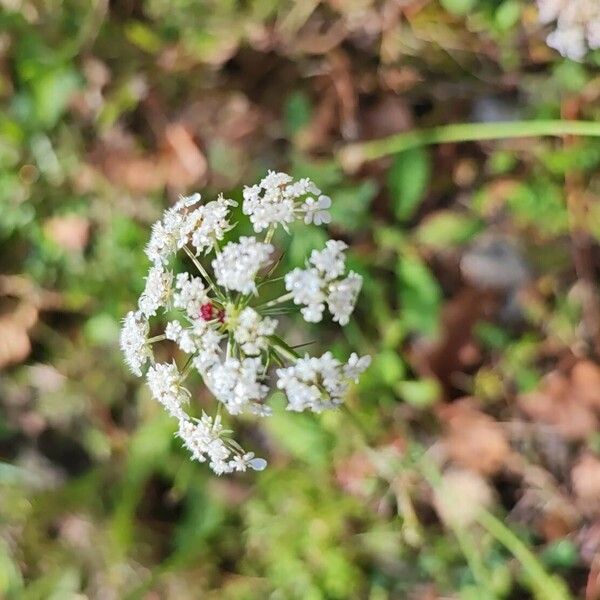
[[577, 25], [216, 316]]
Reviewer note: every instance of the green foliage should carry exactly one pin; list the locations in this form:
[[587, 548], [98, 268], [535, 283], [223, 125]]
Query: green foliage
[[408, 179]]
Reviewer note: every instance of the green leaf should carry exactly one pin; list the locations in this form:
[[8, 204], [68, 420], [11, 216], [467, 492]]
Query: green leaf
[[299, 434], [420, 394], [298, 111], [387, 369], [446, 228], [407, 180], [459, 7], [420, 295], [350, 205], [508, 14], [561, 554], [52, 92]]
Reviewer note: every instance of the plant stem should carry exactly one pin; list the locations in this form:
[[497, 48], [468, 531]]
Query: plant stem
[[157, 338], [285, 352], [352, 156], [203, 272], [544, 585], [279, 300], [269, 235]]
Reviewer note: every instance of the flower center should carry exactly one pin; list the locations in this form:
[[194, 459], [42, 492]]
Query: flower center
[[208, 312]]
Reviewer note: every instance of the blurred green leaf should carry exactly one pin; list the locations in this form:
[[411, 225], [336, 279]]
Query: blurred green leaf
[[459, 7], [298, 111], [561, 554], [446, 228], [408, 179], [420, 394], [351, 204], [420, 295]]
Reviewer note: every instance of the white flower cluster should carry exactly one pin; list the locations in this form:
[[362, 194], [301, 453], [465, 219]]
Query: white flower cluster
[[322, 283], [577, 25], [217, 318], [319, 383], [279, 200]]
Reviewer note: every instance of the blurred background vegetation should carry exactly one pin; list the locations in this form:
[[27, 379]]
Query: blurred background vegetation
[[470, 467]]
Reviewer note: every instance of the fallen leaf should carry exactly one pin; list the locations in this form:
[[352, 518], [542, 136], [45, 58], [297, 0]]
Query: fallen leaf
[[473, 439], [460, 496], [14, 340], [558, 404], [585, 479]]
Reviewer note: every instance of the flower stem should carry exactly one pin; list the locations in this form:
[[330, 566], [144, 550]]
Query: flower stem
[[269, 235], [203, 272], [157, 338], [545, 586], [352, 156], [277, 301], [293, 357]]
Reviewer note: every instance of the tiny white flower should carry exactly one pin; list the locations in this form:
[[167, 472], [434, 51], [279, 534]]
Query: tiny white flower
[[237, 265], [173, 330], [157, 293], [237, 384], [577, 25], [251, 331], [134, 341], [319, 383], [164, 381], [212, 224], [342, 296], [277, 200], [330, 261], [190, 294], [317, 211]]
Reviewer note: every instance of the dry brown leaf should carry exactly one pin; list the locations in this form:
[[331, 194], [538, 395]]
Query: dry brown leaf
[[14, 341], [460, 497], [473, 439], [559, 405], [585, 378], [585, 479]]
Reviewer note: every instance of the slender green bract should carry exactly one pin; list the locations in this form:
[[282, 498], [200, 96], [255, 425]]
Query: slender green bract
[[353, 155]]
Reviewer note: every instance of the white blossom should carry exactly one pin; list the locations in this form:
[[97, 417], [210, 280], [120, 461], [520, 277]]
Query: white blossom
[[164, 381], [204, 440], [237, 384], [190, 294], [157, 293], [319, 383], [577, 25], [212, 224], [342, 295], [173, 330], [330, 261], [208, 349], [251, 331], [229, 338], [237, 265], [314, 286], [316, 210], [171, 232], [134, 341], [277, 200]]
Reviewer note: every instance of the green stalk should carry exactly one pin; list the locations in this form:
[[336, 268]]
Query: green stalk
[[352, 156], [545, 586]]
